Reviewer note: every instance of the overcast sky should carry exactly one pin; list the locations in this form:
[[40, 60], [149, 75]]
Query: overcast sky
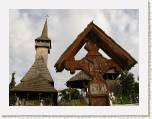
[[63, 28]]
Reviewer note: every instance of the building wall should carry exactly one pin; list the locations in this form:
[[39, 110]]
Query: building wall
[[42, 52]]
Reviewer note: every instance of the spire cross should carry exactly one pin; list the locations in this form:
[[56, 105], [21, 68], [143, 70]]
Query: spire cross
[[46, 16]]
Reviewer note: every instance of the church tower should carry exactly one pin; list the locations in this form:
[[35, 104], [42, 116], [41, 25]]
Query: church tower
[[43, 44], [37, 86]]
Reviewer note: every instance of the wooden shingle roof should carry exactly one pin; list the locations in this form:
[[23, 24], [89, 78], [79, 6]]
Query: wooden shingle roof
[[38, 68], [80, 76], [105, 42], [39, 84], [37, 79], [78, 80]]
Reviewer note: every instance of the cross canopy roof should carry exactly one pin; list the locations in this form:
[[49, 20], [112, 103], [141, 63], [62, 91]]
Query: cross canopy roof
[[105, 42]]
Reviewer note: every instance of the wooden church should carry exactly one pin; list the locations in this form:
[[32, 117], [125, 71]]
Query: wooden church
[[94, 64], [37, 86]]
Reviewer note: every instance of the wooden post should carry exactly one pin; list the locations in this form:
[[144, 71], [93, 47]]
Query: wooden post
[[70, 93], [89, 94]]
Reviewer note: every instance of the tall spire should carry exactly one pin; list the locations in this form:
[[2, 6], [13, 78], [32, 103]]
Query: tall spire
[[43, 43], [44, 34]]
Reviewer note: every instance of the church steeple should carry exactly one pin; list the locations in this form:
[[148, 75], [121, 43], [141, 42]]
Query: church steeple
[[43, 44], [37, 83], [44, 34]]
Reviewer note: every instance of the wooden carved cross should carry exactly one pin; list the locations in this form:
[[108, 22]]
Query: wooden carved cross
[[46, 16], [95, 65]]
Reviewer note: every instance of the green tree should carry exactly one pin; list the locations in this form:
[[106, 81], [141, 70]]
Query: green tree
[[127, 80], [69, 94], [74, 94], [129, 88], [136, 92], [64, 94], [12, 97]]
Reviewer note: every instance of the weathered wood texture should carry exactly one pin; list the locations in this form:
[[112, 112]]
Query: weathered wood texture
[[106, 43], [94, 64], [38, 79]]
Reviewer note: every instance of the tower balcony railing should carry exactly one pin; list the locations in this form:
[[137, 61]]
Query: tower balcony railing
[[42, 44]]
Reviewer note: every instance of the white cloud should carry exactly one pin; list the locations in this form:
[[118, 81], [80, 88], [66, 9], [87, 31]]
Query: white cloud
[[64, 26]]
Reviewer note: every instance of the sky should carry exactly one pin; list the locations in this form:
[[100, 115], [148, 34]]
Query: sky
[[63, 27]]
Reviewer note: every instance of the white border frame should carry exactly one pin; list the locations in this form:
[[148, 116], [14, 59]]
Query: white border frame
[[142, 109]]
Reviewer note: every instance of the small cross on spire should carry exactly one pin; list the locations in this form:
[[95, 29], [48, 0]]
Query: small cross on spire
[[46, 16]]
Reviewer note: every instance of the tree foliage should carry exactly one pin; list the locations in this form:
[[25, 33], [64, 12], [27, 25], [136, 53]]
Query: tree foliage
[[69, 94], [12, 99], [129, 88]]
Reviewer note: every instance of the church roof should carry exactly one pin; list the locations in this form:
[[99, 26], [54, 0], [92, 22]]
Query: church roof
[[38, 68], [44, 34], [105, 42], [78, 80], [38, 84], [80, 76], [37, 79]]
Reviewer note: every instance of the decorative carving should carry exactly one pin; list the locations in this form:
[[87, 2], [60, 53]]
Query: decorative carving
[[94, 64], [98, 88]]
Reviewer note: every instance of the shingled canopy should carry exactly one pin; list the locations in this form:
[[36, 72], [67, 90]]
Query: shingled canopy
[[37, 79], [82, 78], [38, 68], [36, 84], [39, 84], [105, 42], [79, 80]]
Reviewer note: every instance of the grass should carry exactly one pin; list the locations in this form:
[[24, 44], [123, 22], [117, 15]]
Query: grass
[[73, 103]]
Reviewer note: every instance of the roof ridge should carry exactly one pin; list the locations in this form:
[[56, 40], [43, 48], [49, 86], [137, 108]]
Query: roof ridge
[[111, 48]]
